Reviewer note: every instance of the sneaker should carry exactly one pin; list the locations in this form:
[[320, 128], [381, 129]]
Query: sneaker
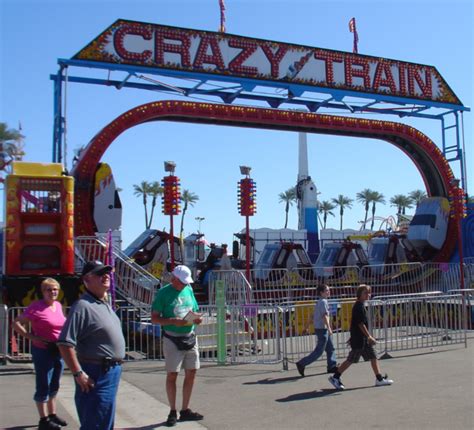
[[172, 418], [189, 415], [336, 382], [300, 368], [55, 419], [47, 424], [383, 382]]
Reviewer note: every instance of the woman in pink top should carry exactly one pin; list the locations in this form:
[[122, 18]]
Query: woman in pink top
[[46, 318]]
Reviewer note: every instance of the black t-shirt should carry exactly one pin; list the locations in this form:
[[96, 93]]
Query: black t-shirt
[[359, 315]]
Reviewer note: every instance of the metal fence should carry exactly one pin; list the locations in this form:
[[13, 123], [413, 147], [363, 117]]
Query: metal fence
[[257, 333], [283, 286], [3, 334]]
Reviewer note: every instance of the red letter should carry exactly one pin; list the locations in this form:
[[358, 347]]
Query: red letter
[[248, 48], [414, 74], [402, 79], [379, 81], [203, 57], [274, 59], [329, 58], [134, 30], [350, 72], [182, 48]]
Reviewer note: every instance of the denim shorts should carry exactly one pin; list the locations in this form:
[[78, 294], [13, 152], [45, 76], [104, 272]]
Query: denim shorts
[[48, 370]]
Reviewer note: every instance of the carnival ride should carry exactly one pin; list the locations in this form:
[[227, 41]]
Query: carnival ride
[[250, 64]]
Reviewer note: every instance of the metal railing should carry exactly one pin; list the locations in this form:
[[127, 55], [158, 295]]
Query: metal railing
[[132, 282], [257, 333], [3, 334], [282, 286]]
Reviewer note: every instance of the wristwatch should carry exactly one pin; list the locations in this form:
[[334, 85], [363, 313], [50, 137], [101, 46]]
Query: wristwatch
[[76, 374]]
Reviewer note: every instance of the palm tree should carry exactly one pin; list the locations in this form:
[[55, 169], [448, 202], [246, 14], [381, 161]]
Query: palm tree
[[376, 198], [142, 190], [154, 190], [287, 197], [343, 202], [365, 197], [401, 202], [188, 198], [11, 142], [417, 196], [326, 208]]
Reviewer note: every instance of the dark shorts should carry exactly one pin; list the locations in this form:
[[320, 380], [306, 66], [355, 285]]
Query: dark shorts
[[367, 353]]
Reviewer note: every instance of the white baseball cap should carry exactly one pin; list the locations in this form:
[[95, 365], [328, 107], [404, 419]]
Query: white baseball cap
[[183, 274]]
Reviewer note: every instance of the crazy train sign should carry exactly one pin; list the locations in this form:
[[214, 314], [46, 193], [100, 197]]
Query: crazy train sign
[[225, 55]]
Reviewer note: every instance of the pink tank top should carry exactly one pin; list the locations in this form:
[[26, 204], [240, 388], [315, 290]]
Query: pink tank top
[[46, 321]]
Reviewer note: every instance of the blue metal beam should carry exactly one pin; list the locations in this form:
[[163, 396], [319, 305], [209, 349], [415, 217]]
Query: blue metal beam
[[249, 84]]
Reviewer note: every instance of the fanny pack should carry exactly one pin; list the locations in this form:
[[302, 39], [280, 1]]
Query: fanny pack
[[183, 343]]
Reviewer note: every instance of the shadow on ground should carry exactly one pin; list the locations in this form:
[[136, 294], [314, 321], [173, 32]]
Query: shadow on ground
[[317, 394]]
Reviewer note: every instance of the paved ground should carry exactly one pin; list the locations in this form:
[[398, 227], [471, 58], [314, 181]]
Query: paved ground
[[432, 390]]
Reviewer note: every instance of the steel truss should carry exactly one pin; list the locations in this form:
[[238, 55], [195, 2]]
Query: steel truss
[[229, 90]]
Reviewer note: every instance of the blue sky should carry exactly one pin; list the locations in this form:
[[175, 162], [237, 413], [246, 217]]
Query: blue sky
[[35, 33]]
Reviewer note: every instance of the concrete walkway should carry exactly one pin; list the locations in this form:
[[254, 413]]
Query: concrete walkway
[[433, 390]]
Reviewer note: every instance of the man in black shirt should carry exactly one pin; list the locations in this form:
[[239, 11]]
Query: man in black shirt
[[361, 342]]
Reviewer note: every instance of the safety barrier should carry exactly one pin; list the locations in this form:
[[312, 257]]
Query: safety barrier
[[237, 289], [3, 334], [282, 286], [258, 333]]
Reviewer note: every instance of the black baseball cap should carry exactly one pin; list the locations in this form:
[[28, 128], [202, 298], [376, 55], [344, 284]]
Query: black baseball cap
[[96, 268]]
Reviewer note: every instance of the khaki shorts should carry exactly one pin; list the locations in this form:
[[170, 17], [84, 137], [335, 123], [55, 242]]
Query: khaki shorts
[[175, 359]]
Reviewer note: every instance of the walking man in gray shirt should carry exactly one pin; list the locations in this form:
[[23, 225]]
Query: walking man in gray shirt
[[322, 328], [93, 347]]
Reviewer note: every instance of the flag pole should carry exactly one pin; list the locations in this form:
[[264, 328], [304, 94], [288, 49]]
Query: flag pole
[[353, 29], [222, 9]]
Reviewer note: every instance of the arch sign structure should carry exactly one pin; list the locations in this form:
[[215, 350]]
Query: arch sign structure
[[232, 68]]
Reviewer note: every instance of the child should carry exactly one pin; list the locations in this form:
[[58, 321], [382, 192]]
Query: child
[[361, 342], [323, 333]]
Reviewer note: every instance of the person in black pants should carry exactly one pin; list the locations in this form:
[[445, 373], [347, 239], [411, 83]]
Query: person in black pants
[[361, 342]]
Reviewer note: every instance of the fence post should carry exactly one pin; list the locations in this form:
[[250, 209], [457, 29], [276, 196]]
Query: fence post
[[3, 334], [385, 355], [283, 337], [221, 329]]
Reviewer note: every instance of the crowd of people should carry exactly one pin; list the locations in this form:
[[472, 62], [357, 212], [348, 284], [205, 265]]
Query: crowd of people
[[90, 342]]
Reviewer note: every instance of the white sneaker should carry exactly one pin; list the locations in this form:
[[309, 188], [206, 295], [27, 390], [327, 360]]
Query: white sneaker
[[337, 383], [383, 382]]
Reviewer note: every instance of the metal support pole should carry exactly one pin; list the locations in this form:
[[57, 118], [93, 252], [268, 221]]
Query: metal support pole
[[57, 117], [172, 242], [247, 248]]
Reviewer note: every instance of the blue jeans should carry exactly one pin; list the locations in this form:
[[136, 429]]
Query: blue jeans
[[96, 409], [48, 371], [324, 343]]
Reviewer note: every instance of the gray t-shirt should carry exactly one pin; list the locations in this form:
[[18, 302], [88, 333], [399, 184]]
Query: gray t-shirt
[[94, 329], [320, 309]]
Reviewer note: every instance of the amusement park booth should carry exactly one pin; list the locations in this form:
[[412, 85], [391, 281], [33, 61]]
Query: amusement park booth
[[39, 230]]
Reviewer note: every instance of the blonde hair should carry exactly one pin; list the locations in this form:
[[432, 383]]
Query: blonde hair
[[50, 282], [362, 288]]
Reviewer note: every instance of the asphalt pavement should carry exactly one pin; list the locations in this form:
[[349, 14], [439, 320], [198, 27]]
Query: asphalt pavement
[[433, 389]]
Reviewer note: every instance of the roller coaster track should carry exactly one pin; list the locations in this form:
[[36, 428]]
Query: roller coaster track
[[427, 157]]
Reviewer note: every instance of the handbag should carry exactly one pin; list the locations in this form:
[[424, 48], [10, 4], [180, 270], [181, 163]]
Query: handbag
[[183, 343]]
